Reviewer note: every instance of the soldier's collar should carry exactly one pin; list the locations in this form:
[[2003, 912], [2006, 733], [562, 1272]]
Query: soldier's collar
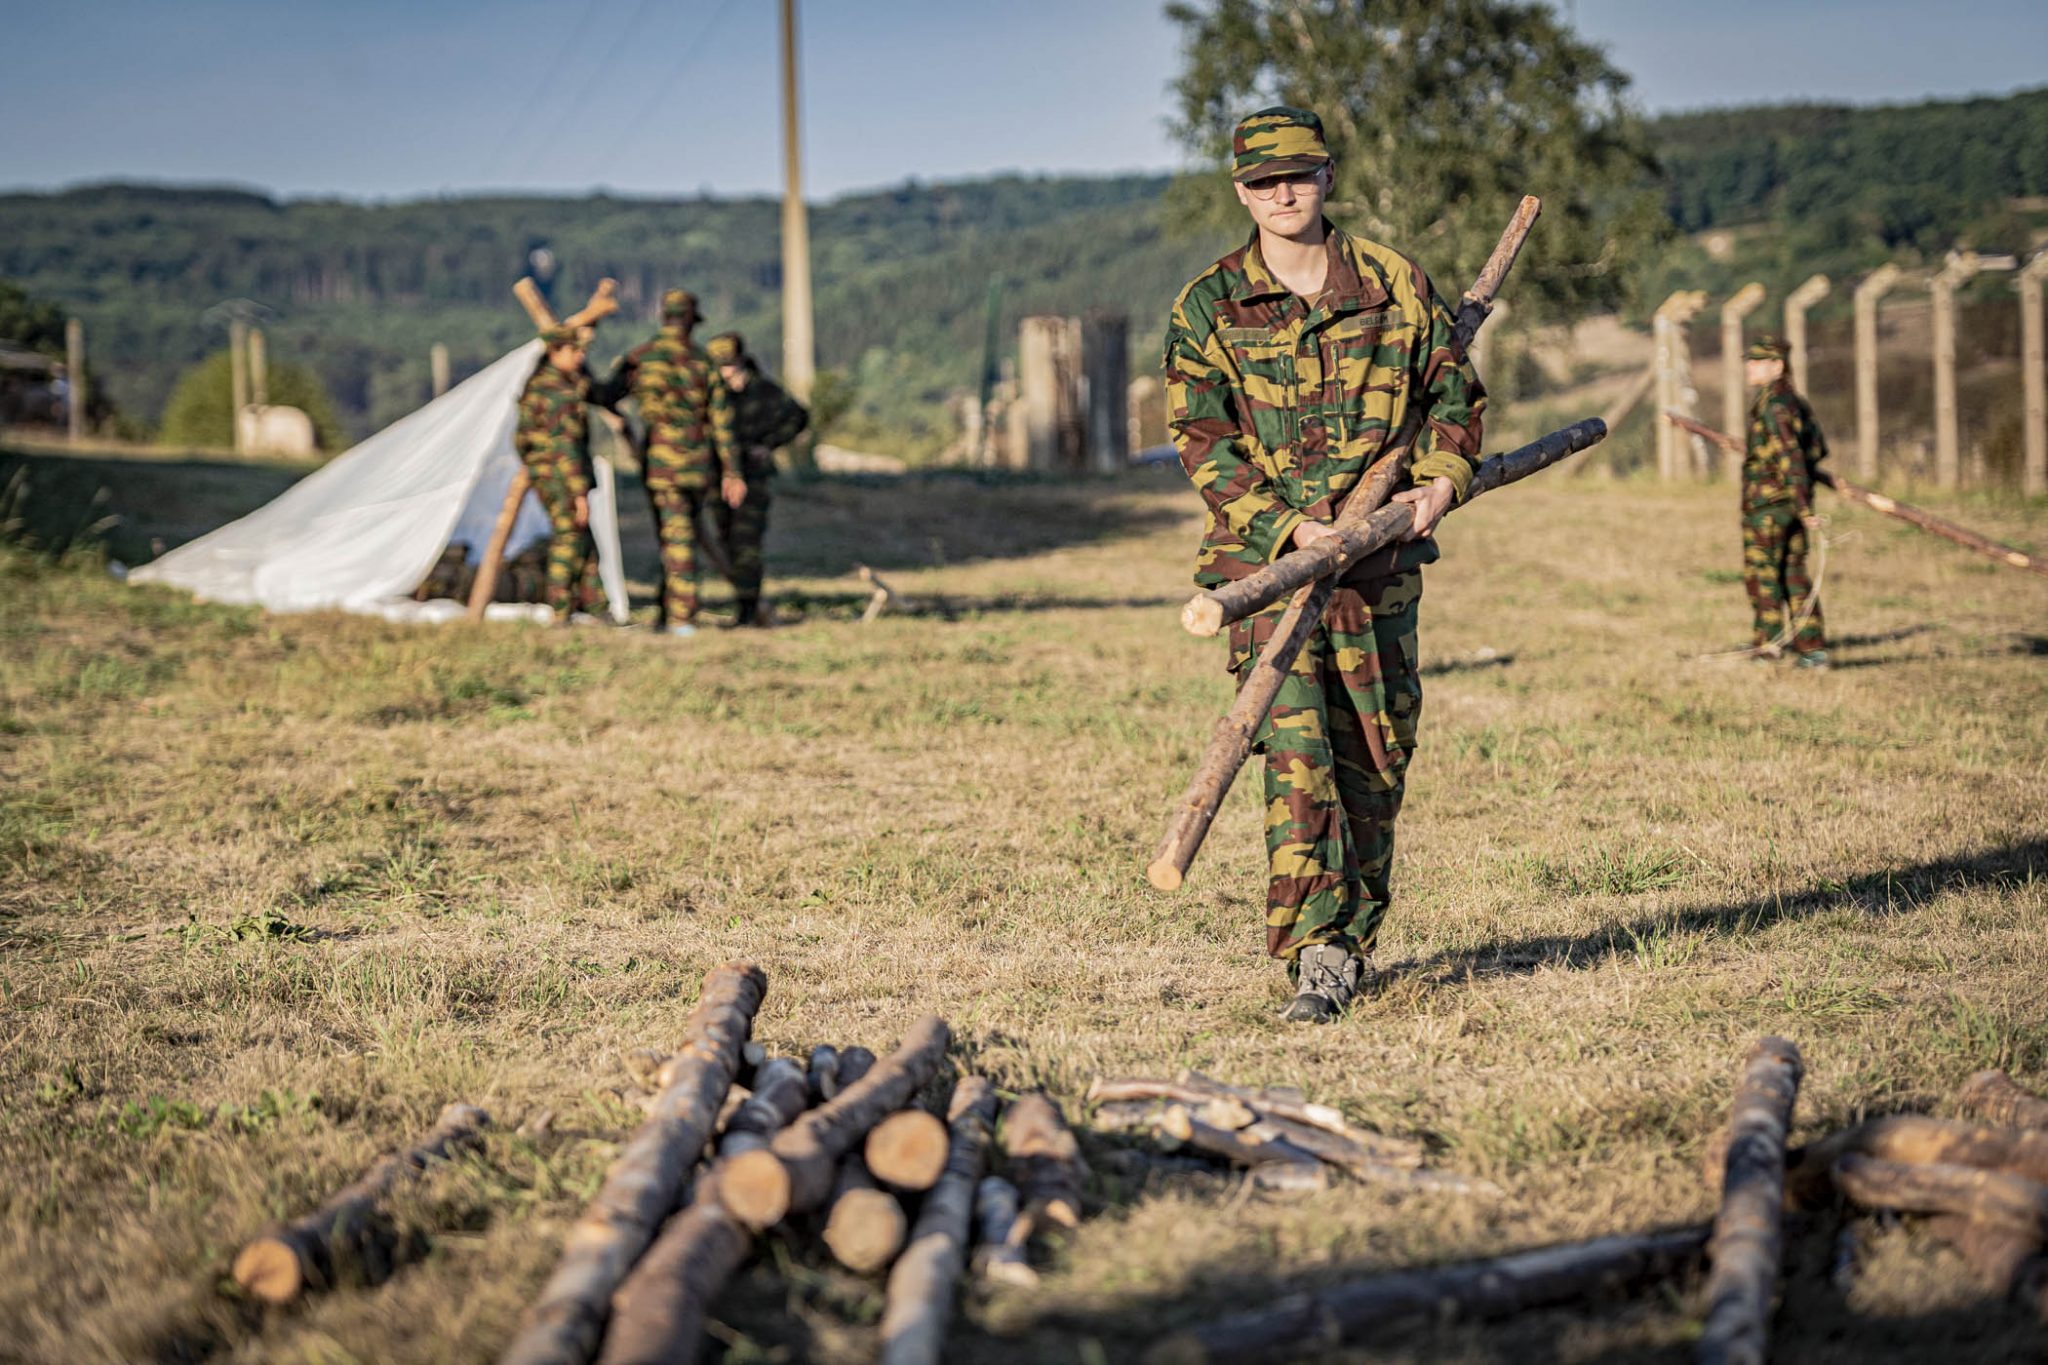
[[1344, 289]]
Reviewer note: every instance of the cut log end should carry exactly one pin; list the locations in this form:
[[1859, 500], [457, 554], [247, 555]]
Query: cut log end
[[865, 1230], [1164, 875], [907, 1150], [755, 1188], [270, 1270], [1202, 616]]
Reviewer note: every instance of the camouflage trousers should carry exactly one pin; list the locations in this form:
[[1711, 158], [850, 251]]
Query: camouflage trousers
[[677, 499], [1774, 545], [572, 583], [742, 530], [1337, 743]]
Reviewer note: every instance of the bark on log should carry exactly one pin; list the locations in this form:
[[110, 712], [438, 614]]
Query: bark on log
[[1299, 1325], [781, 1091], [907, 1150], [1916, 1139], [1990, 1198], [1208, 612], [854, 1063], [999, 1254], [823, 1072], [1231, 741], [1993, 1097], [646, 1183], [343, 1236], [1194, 1088], [1243, 1147], [1891, 507], [1047, 1164], [919, 1300], [795, 1172], [1748, 1236], [659, 1313], [865, 1225]]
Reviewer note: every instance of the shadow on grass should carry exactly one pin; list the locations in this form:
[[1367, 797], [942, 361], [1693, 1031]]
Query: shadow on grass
[[137, 508], [1885, 892]]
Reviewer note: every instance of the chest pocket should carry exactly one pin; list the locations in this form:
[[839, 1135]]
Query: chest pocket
[[1267, 391], [1367, 361]]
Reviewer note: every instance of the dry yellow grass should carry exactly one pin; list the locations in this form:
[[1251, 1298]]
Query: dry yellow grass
[[277, 888]]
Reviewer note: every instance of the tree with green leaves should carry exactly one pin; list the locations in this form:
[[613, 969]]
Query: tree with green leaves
[[200, 412], [1442, 114]]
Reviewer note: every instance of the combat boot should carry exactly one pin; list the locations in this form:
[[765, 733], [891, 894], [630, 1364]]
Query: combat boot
[[1327, 980]]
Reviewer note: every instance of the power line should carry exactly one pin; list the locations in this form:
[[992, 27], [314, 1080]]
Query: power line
[[691, 53], [521, 122]]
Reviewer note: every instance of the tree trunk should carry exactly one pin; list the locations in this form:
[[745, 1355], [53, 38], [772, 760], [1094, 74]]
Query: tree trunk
[[343, 1235], [1230, 743], [648, 1179], [998, 1236], [795, 1172], [864, 1227], [1992, 1097], [1990, 1198], [1047, 1164], [1748, 1236], [1918, 1140], [1302, 1325], [919, 1301], [907, 1150]]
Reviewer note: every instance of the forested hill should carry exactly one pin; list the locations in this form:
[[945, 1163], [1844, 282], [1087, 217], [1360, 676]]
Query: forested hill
[[359, 292]]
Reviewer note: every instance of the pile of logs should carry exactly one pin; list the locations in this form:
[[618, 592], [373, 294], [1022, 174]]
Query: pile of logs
[[832, 1149]]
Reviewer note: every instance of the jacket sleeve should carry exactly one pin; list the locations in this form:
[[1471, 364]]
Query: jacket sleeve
[[1784, 454], [615, 387], [1449, 444], [1211, 444], [724, 447], [791, 417], [1813, 449]]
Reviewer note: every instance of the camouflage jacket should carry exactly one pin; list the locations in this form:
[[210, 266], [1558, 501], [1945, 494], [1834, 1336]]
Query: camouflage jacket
[[685, 410], [553, 435], [764, 417], [1278, 405], [1784, 449]]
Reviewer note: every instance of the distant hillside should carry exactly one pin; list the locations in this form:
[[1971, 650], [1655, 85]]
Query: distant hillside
[[361, 291]]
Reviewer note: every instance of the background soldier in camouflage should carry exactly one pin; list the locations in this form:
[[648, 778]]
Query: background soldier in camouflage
[[1289, 363], [763, 418], [1784, 451], [553, 438], [688, 450]]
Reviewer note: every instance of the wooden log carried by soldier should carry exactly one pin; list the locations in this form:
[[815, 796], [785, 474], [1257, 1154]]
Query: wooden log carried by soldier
[[647, 1181], [796, 1171], [1207, 613], [1993, 1097], [1891, 507], [1748, 1232], [1296, 1326], [1047, 1163], [1231, 741], [919, 1300], [342, 1237]]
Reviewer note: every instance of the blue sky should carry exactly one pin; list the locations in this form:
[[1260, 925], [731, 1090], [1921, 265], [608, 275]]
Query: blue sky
[[384, 98]]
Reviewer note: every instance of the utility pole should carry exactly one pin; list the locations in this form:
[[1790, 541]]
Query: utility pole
[[2034, 377], [238, 378], [1674, 378], [74, 375], [799, 351], [259, 369], [1872, 288], [1804, 297], [1961, 266], [1739, 306], [437, 365]]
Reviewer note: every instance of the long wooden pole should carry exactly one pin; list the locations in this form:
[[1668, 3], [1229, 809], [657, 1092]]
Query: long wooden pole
[[1814, 289], [1892, 507], [74, 375], [1748, 1232], [1230, 743], [238, 378], [2034, 378], [1739, 306], [799, 350], [1872, 288]]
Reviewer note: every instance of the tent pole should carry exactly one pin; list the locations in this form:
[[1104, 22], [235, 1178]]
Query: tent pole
[[494, 550]]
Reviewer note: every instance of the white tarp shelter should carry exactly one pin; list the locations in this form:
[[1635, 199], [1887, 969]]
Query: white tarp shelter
[[361, 532]]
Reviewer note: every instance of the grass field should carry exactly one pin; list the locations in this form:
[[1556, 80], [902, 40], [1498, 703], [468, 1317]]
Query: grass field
[[272, 890]]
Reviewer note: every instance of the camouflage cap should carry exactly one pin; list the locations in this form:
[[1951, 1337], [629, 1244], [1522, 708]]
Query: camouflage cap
[[1768, 348], [1276, 141], [726, 349], [561, 334], [676, 303]]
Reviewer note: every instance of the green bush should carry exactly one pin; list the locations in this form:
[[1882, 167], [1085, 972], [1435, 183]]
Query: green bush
[[197, 413]]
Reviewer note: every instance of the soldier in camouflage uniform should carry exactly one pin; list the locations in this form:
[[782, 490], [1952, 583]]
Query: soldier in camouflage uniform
[[553, 438], [764, 418], [688, 455], [1289, 364], [1779, 467]]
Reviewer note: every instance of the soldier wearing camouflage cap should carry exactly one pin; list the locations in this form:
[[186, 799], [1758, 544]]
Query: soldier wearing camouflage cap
[[1780, 464], [687, 452], [1289, 364], [764, 417], [553, 439]]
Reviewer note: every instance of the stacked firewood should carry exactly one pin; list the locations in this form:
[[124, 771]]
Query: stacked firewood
[[832, 1149]]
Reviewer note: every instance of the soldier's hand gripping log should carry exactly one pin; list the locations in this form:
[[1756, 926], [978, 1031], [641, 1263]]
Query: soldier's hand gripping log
[[1231, 741], [1891, 507]]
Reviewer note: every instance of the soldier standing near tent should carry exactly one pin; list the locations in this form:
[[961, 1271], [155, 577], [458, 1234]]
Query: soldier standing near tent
[[688, 450], [553, 438], [1289, 364], [764, 418], [1780, 463]]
